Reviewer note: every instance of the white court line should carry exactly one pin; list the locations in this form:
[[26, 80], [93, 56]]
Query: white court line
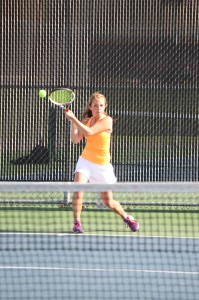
[[97, 270], [94, 234]]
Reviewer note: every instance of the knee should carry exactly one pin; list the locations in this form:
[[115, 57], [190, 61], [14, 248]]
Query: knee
[[108, 202], [107, 199], [77, 196]]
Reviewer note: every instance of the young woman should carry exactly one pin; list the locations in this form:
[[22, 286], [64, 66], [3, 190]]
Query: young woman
[[94, 163]]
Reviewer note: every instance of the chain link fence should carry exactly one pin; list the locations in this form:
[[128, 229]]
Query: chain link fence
[[143, 55]]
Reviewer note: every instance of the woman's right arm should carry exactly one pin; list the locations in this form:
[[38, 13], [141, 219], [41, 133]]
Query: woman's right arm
[[75, 135]]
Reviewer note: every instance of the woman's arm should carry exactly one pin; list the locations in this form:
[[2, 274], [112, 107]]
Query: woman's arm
[[104, 124], [75, 135]]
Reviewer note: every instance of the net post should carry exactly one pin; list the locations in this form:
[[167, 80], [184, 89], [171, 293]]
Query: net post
[[52, 132], [99, 203], [66, 198]]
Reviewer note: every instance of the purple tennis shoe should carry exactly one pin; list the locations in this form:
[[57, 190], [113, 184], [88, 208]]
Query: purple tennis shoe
[[77, 227], [132, 224]]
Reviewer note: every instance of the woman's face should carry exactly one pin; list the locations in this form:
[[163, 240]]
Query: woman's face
[[98, 107]]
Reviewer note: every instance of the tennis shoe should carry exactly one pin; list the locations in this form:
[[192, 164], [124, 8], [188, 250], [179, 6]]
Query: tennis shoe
[[131, 223], [77, 227]]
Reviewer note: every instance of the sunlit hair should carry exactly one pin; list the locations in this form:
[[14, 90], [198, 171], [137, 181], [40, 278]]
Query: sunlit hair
[[87, 112]]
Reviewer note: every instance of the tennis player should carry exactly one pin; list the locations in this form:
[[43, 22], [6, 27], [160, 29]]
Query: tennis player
[[94, 163]]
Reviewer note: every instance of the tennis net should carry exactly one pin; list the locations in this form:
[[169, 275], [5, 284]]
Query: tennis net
[[41, 258]]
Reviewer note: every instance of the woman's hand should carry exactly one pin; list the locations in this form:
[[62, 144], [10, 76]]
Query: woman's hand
[[69, 115]]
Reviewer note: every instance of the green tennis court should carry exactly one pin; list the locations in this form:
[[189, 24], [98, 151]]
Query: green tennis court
[[59, 220]]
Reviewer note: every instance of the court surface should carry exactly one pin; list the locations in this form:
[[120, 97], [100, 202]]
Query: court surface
[[68, 266]]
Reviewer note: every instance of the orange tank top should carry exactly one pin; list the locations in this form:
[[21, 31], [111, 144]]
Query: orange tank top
[[97, 149]]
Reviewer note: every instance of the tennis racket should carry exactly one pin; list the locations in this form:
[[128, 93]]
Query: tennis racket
[[62, 97]]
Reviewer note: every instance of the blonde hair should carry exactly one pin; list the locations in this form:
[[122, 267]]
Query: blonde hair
[[87, 112]]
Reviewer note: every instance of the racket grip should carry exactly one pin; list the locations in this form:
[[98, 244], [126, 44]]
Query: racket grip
[[66, 109]]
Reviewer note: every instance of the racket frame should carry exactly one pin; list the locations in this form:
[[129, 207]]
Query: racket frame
[[63, 105]]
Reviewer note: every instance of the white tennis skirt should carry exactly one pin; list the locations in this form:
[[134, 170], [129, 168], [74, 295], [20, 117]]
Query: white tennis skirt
[[96, 173]]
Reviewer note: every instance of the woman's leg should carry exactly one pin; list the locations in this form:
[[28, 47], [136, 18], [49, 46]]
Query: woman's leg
[[107, 198], [78, 196]]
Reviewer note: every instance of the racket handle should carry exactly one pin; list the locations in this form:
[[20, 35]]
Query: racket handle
[[66, 109]]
